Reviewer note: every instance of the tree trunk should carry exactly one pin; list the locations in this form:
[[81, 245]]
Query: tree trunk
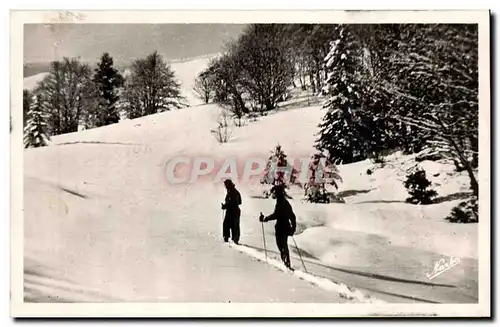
[[473, 181], [311, 79], [318, 73], [318, 80], [475, 147], [207, 97], [461, 155], [240, 102], [269, 105], [302, 83]]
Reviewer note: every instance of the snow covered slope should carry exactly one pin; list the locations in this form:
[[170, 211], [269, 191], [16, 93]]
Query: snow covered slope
[[186, 72], [102, 222], [29, 83], [103, 216]]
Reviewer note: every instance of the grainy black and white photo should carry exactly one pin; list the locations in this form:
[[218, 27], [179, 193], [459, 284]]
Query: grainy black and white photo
[[253, 162]]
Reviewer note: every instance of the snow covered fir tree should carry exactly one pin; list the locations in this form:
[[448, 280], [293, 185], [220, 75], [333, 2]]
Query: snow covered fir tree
[[321, 173], [279, 171], [465, 212], [418, 187], [341, 131], [35, 131]]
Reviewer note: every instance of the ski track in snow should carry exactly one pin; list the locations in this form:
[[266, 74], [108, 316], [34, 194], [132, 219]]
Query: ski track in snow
[[324, 283]]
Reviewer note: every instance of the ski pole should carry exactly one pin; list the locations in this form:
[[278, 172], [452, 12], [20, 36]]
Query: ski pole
[[264, 238], [222, 222], [300, 255]]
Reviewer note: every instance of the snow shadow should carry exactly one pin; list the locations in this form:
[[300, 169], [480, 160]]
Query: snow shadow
[[453, 197], [300, 102], [95, 142], [347, 193], [305, 254], [72, 192], [381, 201], [440, 199], [42, 286], [56, 186], [407, 297]]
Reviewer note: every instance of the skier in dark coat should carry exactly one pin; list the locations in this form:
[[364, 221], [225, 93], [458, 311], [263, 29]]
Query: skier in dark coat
[[285, 222], [231, 224]]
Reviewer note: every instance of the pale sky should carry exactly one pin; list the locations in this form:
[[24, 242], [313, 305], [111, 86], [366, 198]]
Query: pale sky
[[125, 42]]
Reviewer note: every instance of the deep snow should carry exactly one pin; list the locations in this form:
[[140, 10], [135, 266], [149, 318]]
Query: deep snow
[[102, 223]]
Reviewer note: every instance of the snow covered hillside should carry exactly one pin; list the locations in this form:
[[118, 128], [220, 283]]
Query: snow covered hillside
[[103, 223], [29, 83], [184, 72]]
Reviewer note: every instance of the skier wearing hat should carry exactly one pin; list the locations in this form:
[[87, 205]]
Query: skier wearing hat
[[231, 224], [285, 222]]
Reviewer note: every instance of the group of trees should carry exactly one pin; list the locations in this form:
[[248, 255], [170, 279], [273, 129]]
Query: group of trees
[[320, 173], [406, 86], [409, 87], [258, 68], [72, 95]]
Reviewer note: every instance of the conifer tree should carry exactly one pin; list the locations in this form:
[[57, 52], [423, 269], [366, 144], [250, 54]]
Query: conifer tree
[[342, 132], [279, 171], [418, 187], [27, 96], [36, 126], [107, 81], [321, 173]]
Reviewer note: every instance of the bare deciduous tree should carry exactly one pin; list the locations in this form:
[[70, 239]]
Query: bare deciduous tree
[[223, 130], [203, 86], [66, 94], [151, 88]]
